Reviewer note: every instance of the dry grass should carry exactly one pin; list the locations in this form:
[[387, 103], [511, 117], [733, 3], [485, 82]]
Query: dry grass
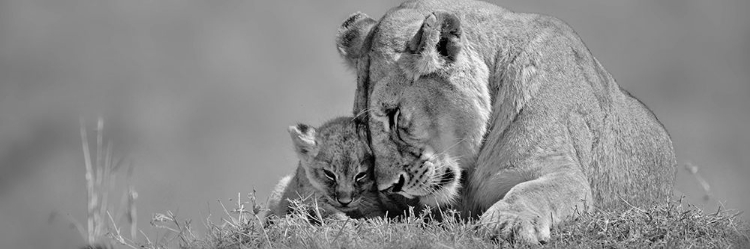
[[101, 173], [672, 225]]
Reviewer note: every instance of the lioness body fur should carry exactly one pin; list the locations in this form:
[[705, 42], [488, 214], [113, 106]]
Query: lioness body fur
[[514, 102]]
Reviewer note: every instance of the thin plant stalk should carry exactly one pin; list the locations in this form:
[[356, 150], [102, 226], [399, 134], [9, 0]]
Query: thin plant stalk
[[91, 204]]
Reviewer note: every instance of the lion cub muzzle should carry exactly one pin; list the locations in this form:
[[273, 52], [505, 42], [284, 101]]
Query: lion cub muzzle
[[344, 198]]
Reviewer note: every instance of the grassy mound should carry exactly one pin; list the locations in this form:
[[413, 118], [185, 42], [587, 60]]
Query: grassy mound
[[670, 226]]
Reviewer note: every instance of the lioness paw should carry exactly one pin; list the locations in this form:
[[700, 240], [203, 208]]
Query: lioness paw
[[515, 227]]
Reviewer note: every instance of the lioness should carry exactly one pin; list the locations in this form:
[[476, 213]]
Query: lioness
[[505, 116]]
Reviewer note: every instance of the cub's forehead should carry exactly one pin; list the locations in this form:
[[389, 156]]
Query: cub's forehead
[[341, 153], [340, 143]]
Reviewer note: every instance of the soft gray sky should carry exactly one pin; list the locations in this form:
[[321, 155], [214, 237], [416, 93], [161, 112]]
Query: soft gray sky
[[198, 94]]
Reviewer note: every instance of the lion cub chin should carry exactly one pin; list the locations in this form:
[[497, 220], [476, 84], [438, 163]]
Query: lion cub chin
[[333, 176]]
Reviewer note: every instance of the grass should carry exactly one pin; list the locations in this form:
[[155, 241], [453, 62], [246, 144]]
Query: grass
[[671, 225], [102, 218]]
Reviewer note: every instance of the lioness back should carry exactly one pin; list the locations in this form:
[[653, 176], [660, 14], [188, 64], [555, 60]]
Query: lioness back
[[640, 164], [333, 172]]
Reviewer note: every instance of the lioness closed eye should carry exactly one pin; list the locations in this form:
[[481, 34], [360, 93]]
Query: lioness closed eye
[[504, 116]]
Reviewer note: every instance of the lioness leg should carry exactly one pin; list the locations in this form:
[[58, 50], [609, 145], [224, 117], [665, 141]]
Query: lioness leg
[[527, 212]]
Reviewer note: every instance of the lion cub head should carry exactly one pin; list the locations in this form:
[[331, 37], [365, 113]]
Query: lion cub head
[[424, 94], [336, 161]]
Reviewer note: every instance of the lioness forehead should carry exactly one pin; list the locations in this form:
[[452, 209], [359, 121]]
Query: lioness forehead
[[395, 30]]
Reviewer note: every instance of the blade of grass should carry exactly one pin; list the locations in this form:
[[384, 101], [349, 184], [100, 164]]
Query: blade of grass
[[89, 185]]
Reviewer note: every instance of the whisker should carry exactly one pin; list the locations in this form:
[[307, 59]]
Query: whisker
[[363, 112], [443, 165], [454, 145]]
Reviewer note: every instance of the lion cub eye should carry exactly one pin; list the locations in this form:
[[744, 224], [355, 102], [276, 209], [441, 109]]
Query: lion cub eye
[[329, 174], [361, 176]]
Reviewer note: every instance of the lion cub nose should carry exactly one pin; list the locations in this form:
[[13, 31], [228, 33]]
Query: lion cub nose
[[344, 201]]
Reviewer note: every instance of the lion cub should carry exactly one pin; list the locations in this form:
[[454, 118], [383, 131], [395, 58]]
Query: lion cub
[[334, 173]]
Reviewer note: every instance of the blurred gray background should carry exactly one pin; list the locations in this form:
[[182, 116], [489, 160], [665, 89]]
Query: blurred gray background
[[198, 94]]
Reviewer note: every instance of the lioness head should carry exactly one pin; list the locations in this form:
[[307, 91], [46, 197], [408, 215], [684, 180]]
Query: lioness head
[[422, 91]]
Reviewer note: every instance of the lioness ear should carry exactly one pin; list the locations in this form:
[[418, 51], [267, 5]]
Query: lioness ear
[[303, 137], [437, 43], [351, 37]]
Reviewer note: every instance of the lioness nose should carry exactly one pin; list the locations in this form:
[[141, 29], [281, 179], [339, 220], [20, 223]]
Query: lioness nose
[[398, 185]]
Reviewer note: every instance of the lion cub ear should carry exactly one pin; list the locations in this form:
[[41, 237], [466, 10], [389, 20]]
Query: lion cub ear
[[303, 137], [437, 43], [351, 37]]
